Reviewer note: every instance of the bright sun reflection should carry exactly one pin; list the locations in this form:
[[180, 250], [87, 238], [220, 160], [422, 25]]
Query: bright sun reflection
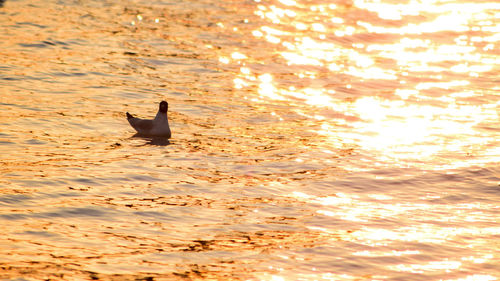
[[381, 240], [404, 85], [412, 119], [444, 265], [475, 277]]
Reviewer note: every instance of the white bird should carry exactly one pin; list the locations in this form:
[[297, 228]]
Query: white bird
[[157, 127]]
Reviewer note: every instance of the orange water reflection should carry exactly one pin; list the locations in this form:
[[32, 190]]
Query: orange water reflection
[[410, 74], [410, 230], [256, 186], [405, 85]]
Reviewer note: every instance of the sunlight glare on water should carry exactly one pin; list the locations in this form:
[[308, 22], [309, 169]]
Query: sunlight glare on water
[[420, 102], [406, 85]]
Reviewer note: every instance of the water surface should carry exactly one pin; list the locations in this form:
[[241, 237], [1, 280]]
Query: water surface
[[312, 140]]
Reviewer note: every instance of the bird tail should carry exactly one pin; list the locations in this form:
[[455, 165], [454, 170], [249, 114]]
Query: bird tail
[[129, 116]]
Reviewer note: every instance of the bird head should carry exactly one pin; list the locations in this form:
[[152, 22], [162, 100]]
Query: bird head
[[164, 106]]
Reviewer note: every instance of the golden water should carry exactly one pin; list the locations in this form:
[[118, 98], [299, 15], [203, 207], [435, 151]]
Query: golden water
[[312, 140]]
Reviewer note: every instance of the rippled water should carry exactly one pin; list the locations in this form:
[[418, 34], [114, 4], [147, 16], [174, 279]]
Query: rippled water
[[312, 140]]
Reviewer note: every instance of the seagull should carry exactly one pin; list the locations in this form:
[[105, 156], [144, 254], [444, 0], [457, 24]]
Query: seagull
[[157, 127]]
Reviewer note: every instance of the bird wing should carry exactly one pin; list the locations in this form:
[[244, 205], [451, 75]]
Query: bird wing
[[141, 125]]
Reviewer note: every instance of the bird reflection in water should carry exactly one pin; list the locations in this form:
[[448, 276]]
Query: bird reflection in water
[[158, 141]]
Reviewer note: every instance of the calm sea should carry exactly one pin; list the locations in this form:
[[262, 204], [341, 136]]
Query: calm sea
[[311, 140]]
